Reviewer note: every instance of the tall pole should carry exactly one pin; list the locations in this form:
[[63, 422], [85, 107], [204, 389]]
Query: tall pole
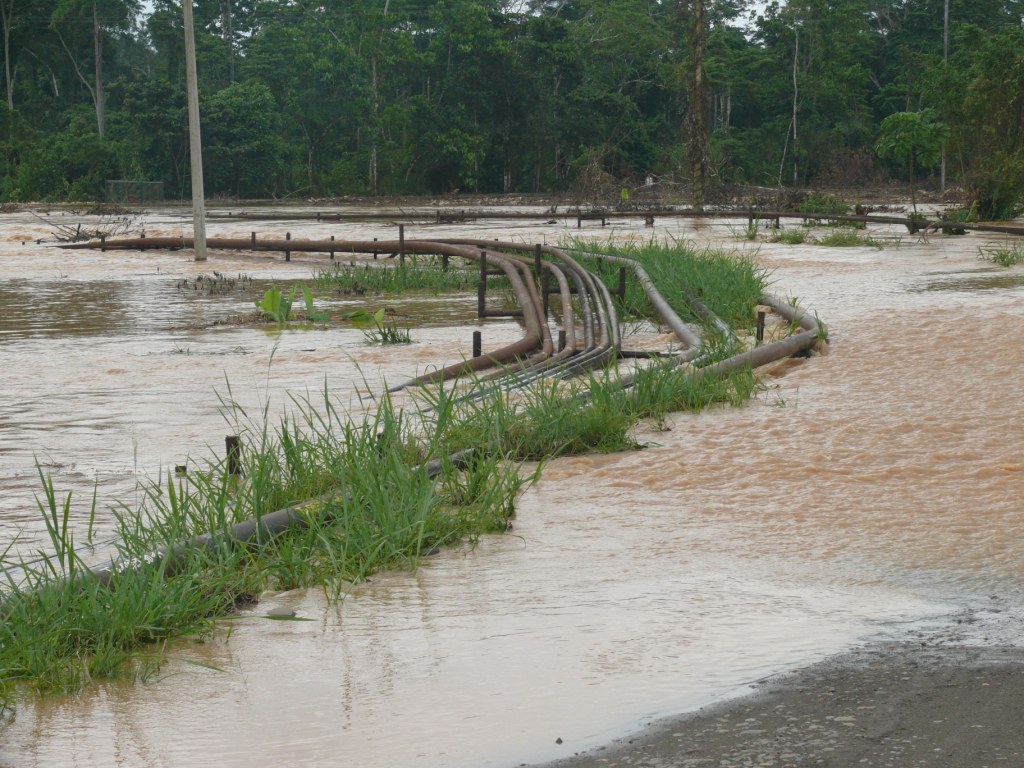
[[945, 70], [194, 143]]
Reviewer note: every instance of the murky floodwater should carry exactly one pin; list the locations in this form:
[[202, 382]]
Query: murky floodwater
[[865, 490]]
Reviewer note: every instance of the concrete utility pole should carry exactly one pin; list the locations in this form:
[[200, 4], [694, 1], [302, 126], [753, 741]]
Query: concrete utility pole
[[194, 143]]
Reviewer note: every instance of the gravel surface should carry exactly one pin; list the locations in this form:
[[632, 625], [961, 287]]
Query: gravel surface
[[895, 704]]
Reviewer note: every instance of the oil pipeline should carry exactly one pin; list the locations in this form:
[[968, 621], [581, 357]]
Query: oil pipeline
[[588, 339]]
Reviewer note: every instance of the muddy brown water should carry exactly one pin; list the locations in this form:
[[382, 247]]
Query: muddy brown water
[[865, 492]]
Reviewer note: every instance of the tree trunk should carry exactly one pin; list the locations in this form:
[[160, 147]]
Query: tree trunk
[[376, 123], [697, 119], [796, 93], [228, 34], [97, 94], [5, 18]]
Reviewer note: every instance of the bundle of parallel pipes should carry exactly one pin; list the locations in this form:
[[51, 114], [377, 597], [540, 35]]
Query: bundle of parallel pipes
[[591, 341]]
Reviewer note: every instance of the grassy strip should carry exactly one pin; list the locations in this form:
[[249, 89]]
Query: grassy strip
[[730, 284], [412, 276], [845, 238], [593, 414], [59, 630]]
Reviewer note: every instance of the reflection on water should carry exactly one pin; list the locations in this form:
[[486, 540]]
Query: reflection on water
[[866, 488], [987, 282]]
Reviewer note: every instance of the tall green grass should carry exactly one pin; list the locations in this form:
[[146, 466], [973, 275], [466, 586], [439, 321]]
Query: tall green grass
[[1006, 255], [422, 275], [729, 283], [845, 238], [376, 506], [360, 486]]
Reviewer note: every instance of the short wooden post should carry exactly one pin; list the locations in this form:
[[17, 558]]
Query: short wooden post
[[760, 328], [375, 250], [401, 244], [233, 445], [287, 253], [332, 251], [579, 221], [444, 262], [103, 243], [477, 344], [481, 289], [252, 241], [561, 339]]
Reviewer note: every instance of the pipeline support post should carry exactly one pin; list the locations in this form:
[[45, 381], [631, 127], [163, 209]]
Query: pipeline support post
[[252, 241], [287, 253], [233, 446], [760, 327], [401, 244], [375, 250], [477, 344], [481, 289], [332, 252]]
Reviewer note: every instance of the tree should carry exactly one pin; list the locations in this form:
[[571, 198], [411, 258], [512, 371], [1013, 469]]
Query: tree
[[104, 15], [909, 137]]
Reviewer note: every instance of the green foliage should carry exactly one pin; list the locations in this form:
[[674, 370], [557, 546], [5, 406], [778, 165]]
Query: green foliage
[[789, 236], [913, 138], [845, 238], [312, 314], [337, 98], [276, 306], [1006, 255], [817, 202], [405, 277], [386, 333], [730, 284]]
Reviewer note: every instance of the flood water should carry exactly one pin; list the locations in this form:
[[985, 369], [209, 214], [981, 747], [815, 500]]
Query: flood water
[[865, 492]]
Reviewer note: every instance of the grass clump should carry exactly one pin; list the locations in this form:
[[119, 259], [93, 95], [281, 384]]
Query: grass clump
[[1006, 255], [846, 238], [788, 236], [730, 284], [821, 203], [386, 333], [412, 276]]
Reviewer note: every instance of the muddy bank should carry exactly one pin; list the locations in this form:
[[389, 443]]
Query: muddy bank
[[914, 703]]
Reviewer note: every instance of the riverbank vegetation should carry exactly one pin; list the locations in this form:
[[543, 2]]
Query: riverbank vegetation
[[375, 505], [371, 490], [330, 98]]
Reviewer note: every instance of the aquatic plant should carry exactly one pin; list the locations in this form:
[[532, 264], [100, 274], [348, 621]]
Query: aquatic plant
[[386, 333], [312, 313], [847, 239], [789, 236], [275, 306], [1005, 255]]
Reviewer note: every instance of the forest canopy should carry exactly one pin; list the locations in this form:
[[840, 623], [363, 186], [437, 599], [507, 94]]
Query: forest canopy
[[367, 97]]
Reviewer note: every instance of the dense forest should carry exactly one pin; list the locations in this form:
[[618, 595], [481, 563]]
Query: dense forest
[[342, 97]]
